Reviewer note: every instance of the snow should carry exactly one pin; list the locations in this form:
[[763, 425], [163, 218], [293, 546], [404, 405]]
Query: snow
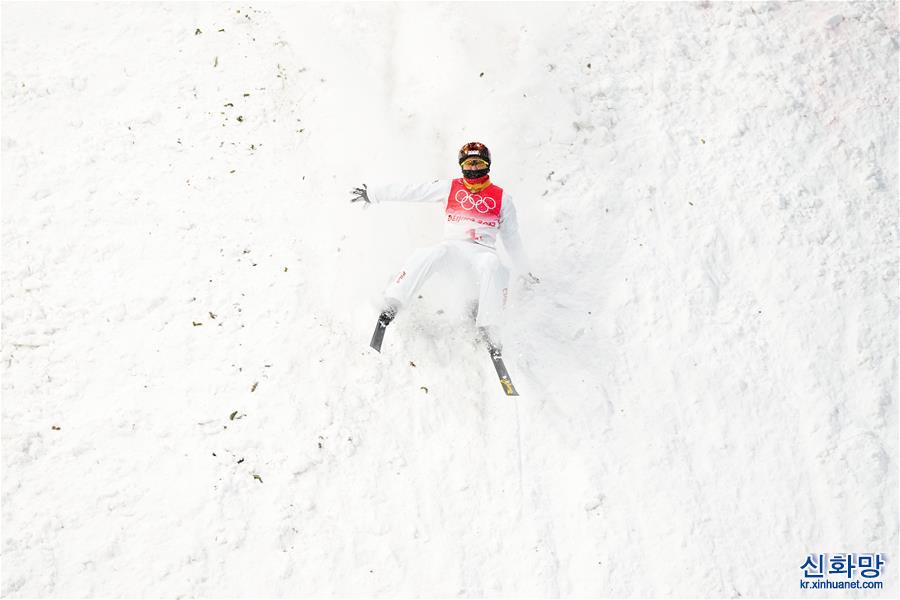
[[708, 367]]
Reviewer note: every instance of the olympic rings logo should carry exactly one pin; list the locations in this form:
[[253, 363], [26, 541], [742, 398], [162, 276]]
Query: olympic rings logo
[[480, 203]]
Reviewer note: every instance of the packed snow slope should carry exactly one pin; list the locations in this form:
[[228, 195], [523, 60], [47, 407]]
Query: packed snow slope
[[708, 367]]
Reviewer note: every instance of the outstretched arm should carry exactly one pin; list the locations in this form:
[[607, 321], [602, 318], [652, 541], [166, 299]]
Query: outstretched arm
[[436, 191]]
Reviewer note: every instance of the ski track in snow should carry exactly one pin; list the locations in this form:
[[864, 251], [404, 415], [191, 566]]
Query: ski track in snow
[[708, 368]]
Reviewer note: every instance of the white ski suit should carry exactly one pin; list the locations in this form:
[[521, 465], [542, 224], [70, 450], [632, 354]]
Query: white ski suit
[[473, 222]]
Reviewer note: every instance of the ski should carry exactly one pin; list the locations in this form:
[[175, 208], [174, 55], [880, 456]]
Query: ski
[[378, 336], [384, 319], [502, 373]]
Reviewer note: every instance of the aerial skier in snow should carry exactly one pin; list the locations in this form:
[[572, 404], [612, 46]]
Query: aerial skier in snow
[[476, 211]]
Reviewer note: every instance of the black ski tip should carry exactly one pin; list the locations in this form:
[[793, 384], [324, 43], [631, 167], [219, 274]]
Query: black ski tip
[[384, 319], [377, 337]]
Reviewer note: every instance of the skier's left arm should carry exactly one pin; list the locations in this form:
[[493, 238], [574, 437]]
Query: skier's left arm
[[512, 241]]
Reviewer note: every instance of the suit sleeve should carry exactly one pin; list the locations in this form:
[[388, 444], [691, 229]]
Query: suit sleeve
[[436, 191], [509, 235]]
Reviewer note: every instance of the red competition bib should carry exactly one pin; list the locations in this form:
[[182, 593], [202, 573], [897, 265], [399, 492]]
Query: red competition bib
[[481, 207]]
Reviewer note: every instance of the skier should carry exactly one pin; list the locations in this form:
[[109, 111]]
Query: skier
[[476, 211]]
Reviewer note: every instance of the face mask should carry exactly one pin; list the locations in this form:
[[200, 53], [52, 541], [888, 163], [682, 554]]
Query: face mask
[[475, 174]]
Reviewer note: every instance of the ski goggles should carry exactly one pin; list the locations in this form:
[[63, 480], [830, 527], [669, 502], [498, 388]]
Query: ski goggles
[[474, 163]]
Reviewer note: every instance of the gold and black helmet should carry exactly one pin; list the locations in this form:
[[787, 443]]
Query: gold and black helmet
[[475, 150]]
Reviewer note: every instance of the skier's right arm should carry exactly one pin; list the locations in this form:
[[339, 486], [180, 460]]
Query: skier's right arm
[[436, 191]]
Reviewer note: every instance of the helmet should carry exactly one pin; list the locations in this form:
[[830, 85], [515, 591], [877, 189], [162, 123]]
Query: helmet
[[475, 150]]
